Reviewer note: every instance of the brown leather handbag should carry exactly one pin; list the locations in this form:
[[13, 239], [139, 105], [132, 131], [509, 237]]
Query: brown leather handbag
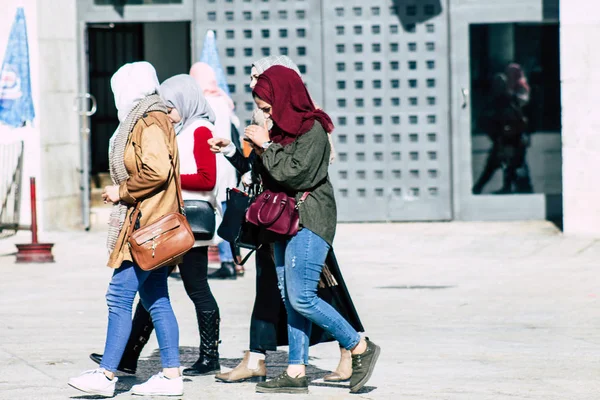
[[163, 241]]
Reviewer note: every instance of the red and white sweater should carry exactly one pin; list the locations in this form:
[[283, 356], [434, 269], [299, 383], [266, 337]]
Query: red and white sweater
[[198, 169]]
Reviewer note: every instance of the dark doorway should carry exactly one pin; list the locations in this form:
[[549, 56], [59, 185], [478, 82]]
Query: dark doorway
[[166, 45]]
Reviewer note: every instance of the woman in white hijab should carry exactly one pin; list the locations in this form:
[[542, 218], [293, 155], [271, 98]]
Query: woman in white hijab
[[141, 170]]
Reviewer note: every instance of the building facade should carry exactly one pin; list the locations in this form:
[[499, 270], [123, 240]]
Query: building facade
[[403, 80]]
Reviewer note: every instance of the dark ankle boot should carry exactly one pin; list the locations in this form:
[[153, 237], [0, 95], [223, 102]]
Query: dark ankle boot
[[208, 362], [227, 271], [141, 330]]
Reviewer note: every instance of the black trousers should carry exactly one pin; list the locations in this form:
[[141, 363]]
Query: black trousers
[[268, 306], [194, 271]]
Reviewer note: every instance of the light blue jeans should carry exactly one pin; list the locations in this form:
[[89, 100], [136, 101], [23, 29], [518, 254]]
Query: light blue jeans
[[225, 253], [154, 295], [299, 262]]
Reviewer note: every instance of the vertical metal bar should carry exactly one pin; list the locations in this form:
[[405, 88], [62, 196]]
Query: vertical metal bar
[[84, 128], [34, 237]]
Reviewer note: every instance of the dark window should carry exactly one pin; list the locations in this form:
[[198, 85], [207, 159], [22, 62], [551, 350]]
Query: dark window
[[248, 15], [377, 102], [394, 65], [302, 68], [393, 29], [430, 83], [359, 84], [412, 46], [375, 10], [283, 51], [413, 119], [431, 119], [249, 106], [359, 102], [360, 120], [301, 32], [283, 33], [411, 11], [358, 48], [376, 66], [248, 52], [412, 83], [411, 28], [395, 83], [413, 101], [358, 30], [247, 33], [230, 52], [430, 28], [300, 14], [396, 119], [229, 15], [230, 70], [430, 46], [357, 11], [429, 9], [378, 120], [265, 33], [266, 51], [430, 64], [301, 50], [283, 14], [248, 69], [231, 88], [376, 47], [358, 66], [431, 101], [376, 29], [395, 101], [340, 48], [339, 30], [341, 67], [229, 34], [394, 47], [412, 65], [377, 84], [212, 16], [339, 11], [341, 85], [247, 90], [342, 121], [341, 103], [264, 15]]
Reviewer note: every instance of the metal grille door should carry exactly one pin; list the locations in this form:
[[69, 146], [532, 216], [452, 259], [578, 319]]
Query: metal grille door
[[386, 79]]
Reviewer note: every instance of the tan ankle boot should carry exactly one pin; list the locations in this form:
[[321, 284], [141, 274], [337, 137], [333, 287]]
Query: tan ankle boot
[[343, 371], [241, 373]]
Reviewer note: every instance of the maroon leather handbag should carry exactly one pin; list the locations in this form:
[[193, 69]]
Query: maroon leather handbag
[[276, 212]]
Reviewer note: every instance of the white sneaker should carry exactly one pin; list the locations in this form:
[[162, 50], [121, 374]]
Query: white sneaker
[[95, 382], [160, 385]]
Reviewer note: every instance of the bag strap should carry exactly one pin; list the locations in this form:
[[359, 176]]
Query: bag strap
[[136, 212]]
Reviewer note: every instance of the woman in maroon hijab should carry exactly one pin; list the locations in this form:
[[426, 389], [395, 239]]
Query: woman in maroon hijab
[[295, 156]]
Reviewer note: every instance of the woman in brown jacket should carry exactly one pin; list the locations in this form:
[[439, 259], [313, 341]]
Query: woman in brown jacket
[[141, 151]]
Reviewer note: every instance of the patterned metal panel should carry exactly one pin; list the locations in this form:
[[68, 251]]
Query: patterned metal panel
[[380, 70]]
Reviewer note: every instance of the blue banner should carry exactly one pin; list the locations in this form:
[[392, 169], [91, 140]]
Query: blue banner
[[16, 103], [210, 56]]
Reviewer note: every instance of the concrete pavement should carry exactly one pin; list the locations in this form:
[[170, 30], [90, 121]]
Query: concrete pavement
[[461, 310]]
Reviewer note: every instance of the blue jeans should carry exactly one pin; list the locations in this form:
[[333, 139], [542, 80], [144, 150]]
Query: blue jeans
[[225, 253], [299, 262], [154, 295]]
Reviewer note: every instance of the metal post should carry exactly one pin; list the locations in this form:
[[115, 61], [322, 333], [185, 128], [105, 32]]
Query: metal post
[[34, 237]]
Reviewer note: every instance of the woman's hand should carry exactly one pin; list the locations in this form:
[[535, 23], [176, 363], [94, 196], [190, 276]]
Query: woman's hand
[[218, 144], [257, 134], [111, 194]]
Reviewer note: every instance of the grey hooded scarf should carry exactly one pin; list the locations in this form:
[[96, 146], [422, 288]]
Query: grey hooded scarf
[[183, 93]]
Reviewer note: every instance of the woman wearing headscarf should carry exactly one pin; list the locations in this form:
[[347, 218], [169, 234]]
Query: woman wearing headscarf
[[267, 325], [194, 123], [222, 106], [193, 120], [140, 167]]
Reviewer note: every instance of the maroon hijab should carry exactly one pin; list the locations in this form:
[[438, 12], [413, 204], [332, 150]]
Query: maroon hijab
[[293, 111]]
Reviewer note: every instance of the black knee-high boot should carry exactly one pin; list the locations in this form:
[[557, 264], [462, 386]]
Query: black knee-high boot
[[141, 329], [208, 362]]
